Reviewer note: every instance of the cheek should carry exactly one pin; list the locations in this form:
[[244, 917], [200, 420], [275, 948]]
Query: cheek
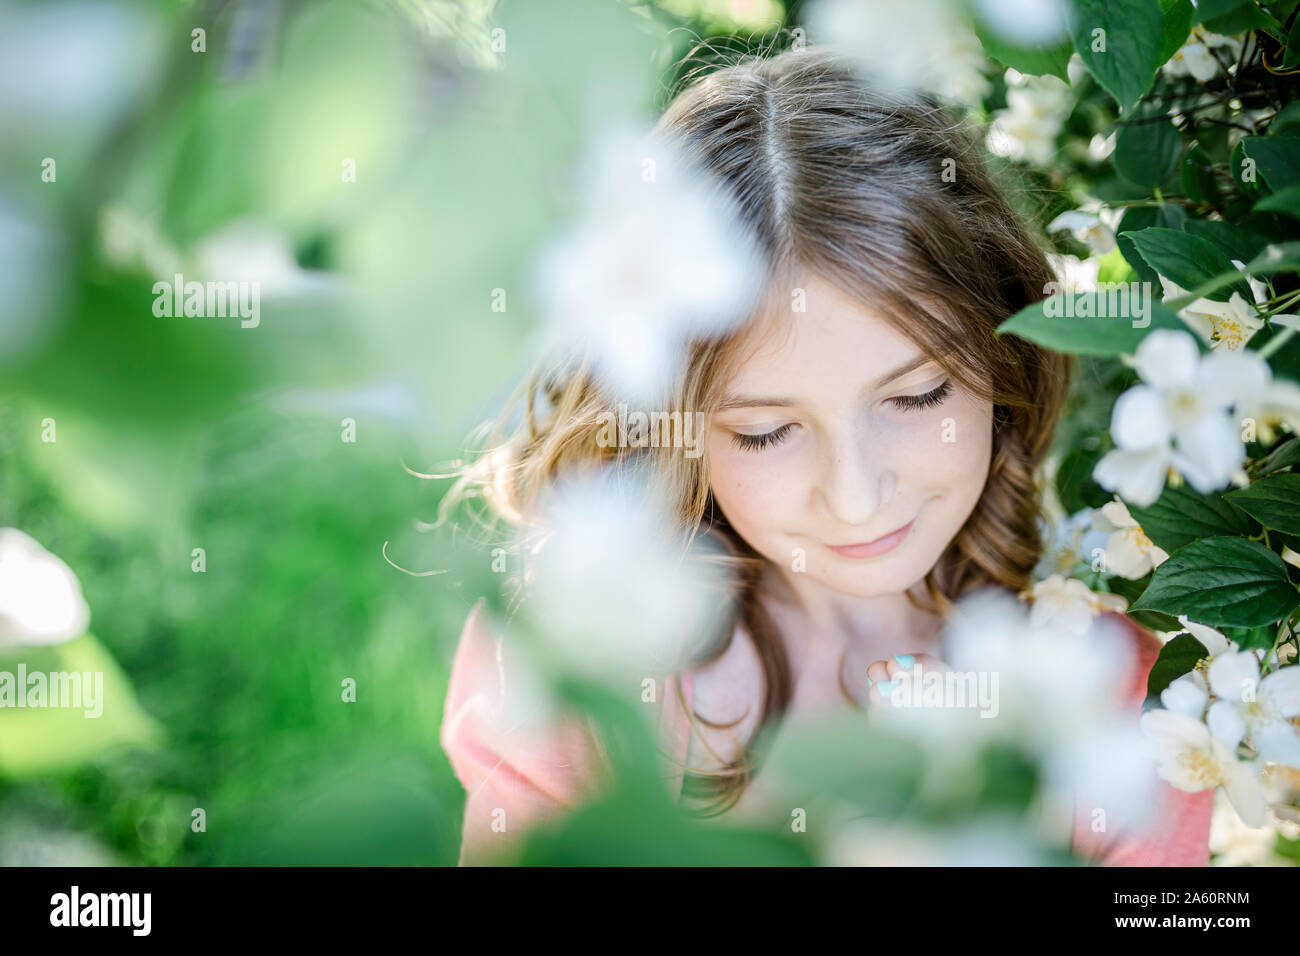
[[960, 459], [754, 490]]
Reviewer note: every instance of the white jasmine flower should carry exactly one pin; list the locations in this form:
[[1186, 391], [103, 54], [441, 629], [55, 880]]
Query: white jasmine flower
[[1227, 325], [657, 257], [1026, 23], [1075, 274], [1087, 228], [1260, 709], [1192, 759], [40, 597], [1036, 110], [1194, 58], [1067, 603], [1190, 693], [925, 45], [1246, 379], [1129, 552], [1232, 843], [1059, 681], [1071, 542], [1178, 417], [612, 591]]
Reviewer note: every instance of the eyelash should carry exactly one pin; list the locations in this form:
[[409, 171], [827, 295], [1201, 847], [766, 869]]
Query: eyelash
[[928, 400], [759, 442], [908, 402]]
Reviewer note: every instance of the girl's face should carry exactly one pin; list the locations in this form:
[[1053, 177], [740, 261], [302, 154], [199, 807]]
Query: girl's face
[[840, 452]]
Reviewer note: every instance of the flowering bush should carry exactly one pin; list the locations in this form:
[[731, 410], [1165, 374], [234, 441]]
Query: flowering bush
[[1192, 489]]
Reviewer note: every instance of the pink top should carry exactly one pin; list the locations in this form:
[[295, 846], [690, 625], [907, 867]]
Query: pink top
[[519, 768]]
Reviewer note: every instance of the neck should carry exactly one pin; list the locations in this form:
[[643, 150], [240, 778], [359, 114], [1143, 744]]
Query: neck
[[825, 615]]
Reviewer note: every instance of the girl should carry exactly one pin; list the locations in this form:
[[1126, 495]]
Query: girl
[[881, 436]]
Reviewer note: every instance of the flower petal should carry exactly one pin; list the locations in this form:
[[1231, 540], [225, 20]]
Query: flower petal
[[1235, 676], [1226, 723], [1185, 696], [1166, 358]]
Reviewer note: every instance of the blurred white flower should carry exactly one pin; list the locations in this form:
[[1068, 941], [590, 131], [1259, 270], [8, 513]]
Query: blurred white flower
[[1071, 543], [40, 597], [1232, 843], [658, 256], [130, 241], [1100, 147], [75, 65], [925, 45], [1075, 70], [1075, 274], [1260, 709], [987, 841], [612, 591], [1192, 759], [1026, 23], [252, 251], [31, 263], [1282, 790], [1129, 552], [1197, 58], [1087, 228], [1067, 603], [1178, 417], [1035, 114]]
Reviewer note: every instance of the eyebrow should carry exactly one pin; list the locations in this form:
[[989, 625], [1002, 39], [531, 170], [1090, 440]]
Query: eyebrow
[[736, 401]]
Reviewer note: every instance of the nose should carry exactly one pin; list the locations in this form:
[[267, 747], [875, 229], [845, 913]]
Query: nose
[[858, 484]]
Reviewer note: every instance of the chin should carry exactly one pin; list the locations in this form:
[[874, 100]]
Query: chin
[[869, 582]]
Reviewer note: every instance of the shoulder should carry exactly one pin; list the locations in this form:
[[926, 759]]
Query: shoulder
[[1143, 647], [726, 703], [498, 720]]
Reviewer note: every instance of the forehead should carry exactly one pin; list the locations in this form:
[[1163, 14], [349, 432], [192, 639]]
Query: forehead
[[835, 340]]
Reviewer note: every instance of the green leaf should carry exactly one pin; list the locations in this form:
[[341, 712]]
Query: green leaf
[[1285, 201], [1121, 42], [1247, 16], [1286, 122], [1197, 175], [1147, 149], [1287, 848], [1179, 16], [1277, 159], [1056, 324], [1178, 657], [1248, 638], [43, 740], [1074, 483], [1292, 58], [1210, 9], [1188, 260], [1236, 242], [1245, 170], [1136, 218], [1131, 590], [1182, 515], [1040, 60], [1273, 502], [1222, 582], [1282, 257], [1285, 455]]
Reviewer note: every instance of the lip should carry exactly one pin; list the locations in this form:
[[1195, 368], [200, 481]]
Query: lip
[[871, 549]]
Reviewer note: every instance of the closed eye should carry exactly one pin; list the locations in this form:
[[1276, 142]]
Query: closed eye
[[765, 440], [928, 400]]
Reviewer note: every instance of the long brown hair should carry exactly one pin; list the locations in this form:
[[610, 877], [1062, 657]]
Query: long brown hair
[[888, 198]]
